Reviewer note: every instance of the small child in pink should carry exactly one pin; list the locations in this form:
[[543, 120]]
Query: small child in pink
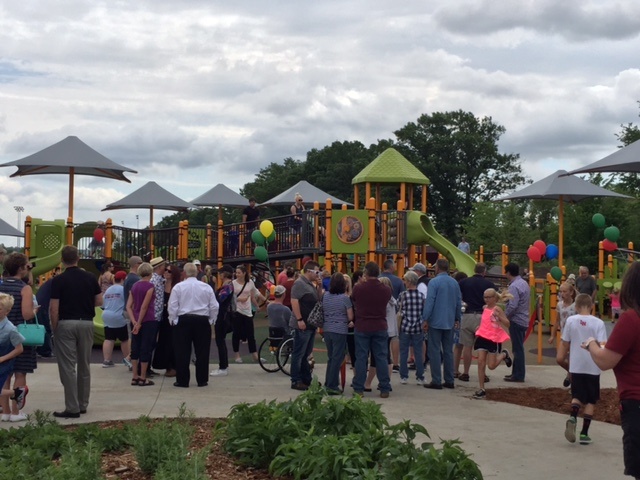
[[490, 335], [614, 296]]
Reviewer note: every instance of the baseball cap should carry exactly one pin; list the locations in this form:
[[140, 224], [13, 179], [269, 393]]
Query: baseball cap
[[196, 262], [120, 275], [280, 291], [419, 267]]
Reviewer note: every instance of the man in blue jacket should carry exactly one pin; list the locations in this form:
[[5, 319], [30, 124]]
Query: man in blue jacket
[[442, 310]]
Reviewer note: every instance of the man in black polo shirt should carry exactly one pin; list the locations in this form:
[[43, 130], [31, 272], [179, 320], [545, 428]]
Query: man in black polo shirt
[[251, 215], [74, 296], [472, 290]]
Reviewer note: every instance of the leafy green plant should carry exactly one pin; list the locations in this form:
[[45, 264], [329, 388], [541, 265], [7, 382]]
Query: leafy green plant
[[162, 441], [79, 461]]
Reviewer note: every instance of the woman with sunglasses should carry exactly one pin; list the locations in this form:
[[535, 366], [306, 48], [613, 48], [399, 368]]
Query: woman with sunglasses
[[163, 355], [490, 335]]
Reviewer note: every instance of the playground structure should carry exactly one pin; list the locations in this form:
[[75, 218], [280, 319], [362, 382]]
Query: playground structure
[[341, 239]]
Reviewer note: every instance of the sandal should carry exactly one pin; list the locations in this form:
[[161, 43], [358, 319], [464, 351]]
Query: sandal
[[135, 382], [145, 383], [463, 377], [456, 375]]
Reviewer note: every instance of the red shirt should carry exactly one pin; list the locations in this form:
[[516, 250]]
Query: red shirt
[[370, 304], [625, 340], [287, 296]]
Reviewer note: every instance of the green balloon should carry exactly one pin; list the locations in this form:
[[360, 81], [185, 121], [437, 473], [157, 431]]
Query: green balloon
[[271, 237], [598, 220], [556, 273], [257, 237], [261, 253], [612, 233]]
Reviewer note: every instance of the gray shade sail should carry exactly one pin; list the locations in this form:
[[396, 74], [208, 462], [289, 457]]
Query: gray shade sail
[[7, 230], [310, 194], [625, 159], [220, 196], [151, 196], [72, 157], [561, 186]]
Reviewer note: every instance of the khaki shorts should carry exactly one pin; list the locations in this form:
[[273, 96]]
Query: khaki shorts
[[468, 327]]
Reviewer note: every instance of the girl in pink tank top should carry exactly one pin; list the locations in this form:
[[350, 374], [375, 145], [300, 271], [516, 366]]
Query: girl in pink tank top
[[490, 335]]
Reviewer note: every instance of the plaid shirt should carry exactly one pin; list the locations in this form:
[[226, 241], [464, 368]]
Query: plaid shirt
[[411, 305]]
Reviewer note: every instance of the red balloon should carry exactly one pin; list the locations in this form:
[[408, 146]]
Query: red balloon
[[306, 259], [609, 246], [541, 246], [98, 234], [534, 254]]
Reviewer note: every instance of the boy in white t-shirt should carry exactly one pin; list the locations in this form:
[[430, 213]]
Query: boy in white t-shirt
[[585, 374]]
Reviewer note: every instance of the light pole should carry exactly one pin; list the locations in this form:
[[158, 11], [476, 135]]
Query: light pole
[[19, 209], [137, 222]]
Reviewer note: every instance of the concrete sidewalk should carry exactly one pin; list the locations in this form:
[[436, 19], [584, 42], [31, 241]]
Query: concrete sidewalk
[[507, 441]]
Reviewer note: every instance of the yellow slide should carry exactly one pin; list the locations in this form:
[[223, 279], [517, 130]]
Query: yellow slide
[[420, 231]]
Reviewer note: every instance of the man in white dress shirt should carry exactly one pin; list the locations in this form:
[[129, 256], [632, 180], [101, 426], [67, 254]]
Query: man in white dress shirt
[[193, 309]]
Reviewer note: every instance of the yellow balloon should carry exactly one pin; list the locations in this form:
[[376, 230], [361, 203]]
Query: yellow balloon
[[266, 228]]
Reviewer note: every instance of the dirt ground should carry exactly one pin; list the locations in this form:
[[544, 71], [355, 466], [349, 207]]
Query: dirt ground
[[558, 400]]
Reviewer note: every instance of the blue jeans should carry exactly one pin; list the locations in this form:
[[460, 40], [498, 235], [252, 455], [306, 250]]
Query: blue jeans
[[302, 348], [440, 348], [377, 344], [517, 333], [336, 346], [415, 340]]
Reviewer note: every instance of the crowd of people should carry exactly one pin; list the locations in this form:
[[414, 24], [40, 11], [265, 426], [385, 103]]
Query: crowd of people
[[164, 316]]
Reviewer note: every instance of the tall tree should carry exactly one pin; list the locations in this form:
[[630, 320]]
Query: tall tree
[[459, 153], [629, 182]]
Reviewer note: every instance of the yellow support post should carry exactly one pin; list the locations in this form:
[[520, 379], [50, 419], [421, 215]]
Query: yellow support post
[[108, 241], [220, 252], [27, 236], [371, 207], [600, 261]]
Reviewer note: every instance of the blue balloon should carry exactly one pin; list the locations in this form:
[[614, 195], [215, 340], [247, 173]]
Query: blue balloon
[[551, 252]]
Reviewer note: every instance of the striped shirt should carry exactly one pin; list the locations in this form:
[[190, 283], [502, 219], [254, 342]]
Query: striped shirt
[[335, 306], [411, 305]]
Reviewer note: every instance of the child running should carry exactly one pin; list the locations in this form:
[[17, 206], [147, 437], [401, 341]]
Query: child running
[[614, 296], [10, 348], [490, 335], [580, 330], [566, 308]]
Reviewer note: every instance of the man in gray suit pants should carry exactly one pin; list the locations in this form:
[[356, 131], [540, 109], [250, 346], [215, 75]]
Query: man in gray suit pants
[[74, 296]]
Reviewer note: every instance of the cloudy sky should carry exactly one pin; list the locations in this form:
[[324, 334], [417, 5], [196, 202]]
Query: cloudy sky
[[193, 93]]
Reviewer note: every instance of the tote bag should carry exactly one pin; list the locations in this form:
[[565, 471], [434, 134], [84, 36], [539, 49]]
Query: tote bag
[[33, 333]]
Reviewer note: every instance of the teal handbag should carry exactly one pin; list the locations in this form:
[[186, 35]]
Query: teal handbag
[[33, 333]]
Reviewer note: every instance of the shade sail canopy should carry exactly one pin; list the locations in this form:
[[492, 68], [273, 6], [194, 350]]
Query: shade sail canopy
[[310, 194], [625, 159], [220, 196], [391, 167], [71, 157], [561, 186], [7, 230], [151, 196]]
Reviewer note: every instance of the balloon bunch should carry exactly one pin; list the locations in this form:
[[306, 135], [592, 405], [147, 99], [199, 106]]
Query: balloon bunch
[[539, 250], [611, 233], [262, 238]]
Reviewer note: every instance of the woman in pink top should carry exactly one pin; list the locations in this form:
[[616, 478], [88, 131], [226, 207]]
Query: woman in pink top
[[490, 335], [614, 296]]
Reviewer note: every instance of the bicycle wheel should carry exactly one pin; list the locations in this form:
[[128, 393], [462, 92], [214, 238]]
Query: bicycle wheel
[[267, 356], [284, 356]]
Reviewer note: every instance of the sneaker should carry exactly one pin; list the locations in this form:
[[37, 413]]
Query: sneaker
[[219, 372], [238, 360], [21, 417], [567, 381], [585, 439], [480, 394], [384, 394], [420, 382], [396, 369], [107, 364], [404, 381], [570, 430], [127, 363], [507, 358], [20, 396], [5, 418]]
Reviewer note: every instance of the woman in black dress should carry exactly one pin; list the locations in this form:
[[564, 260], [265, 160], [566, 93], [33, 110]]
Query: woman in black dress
[[163, 357]]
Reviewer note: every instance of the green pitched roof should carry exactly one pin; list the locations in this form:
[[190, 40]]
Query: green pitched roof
[[391, 167]]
